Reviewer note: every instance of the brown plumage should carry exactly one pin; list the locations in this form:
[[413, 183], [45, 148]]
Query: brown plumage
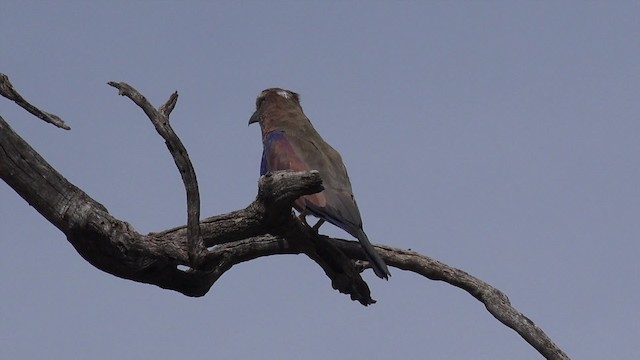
[[291, 143]]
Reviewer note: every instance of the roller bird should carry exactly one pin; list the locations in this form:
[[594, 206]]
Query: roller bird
[[290, 142]]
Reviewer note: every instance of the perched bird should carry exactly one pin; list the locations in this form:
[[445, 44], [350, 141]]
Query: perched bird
[[291, 143]]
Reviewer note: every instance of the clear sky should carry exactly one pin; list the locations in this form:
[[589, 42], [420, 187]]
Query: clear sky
[[498, 137]]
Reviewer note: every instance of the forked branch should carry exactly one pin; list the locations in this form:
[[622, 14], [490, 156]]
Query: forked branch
[[160, 120], [265, 227]]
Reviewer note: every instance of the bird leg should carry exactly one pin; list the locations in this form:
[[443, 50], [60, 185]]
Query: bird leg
[[303, 218], [316, 227]]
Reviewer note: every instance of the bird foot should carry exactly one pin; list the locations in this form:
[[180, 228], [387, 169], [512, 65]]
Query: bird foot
[[316, 227], [303, 218]]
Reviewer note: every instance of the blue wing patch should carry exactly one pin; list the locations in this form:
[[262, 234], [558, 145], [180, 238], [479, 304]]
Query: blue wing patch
[[269, 140]]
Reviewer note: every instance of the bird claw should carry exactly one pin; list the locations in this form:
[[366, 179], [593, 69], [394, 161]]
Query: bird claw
[[316, 227], [303, 218]]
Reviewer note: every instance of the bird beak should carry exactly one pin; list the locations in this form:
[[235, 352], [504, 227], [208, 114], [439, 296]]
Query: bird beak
[[254, 118]]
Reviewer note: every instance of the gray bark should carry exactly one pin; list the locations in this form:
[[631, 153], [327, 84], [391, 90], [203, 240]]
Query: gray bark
[[189, 259]]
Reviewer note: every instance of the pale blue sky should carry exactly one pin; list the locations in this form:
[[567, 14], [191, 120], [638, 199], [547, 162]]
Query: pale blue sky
[[498, 137]]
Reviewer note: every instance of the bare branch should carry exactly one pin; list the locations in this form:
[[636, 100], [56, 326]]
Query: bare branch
[[167, 108], [7, 90], [265, 227], [160, 120], [496, 302]]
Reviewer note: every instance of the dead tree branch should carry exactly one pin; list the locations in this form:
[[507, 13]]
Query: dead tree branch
[[265, 227], [160, 120], [7, 90]]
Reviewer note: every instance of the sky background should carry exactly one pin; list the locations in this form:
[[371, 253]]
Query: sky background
[[498, 137]]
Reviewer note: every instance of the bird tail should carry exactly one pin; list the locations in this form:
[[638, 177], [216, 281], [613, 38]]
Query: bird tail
[[378, 265]]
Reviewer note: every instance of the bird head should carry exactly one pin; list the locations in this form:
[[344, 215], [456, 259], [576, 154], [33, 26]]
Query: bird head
[[277, 109]]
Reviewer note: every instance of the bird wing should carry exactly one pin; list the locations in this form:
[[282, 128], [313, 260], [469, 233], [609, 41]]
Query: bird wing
[[336, 203], [280, 154]]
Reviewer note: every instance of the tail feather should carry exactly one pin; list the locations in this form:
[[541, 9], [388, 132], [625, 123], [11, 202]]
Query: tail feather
[[378, 265]]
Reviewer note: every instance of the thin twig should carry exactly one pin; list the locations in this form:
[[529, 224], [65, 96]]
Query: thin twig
[[168, 106], [7, 90]]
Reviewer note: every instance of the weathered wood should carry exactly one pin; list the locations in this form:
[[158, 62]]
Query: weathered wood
[[160, 120], [265, 227], [7, 90]]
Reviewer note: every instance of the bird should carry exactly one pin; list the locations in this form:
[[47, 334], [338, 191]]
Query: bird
[[290, 142]]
